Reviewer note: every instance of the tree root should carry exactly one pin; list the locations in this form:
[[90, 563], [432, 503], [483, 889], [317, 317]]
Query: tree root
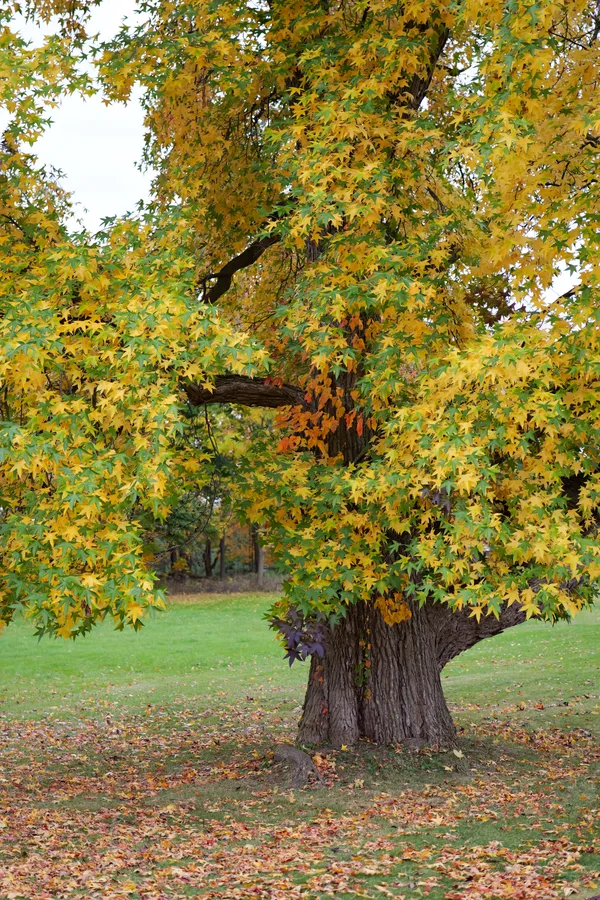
[[304, 769]]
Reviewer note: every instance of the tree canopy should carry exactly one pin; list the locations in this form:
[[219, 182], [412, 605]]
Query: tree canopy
[[359, 211]]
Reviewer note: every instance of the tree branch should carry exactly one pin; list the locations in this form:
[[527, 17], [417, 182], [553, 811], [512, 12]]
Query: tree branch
[[224, 276], [420, 83], [246, 392], [418, 88], [458, 630]]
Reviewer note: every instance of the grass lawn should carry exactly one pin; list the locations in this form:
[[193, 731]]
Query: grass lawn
[[140, 765]]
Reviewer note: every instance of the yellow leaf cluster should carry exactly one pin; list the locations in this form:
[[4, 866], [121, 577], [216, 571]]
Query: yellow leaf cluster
[[394, 609]]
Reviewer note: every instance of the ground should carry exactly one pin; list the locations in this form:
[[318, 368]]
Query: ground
[[140, 766]]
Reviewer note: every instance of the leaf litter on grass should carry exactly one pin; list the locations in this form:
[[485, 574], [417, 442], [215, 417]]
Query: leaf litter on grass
[[167, 806]]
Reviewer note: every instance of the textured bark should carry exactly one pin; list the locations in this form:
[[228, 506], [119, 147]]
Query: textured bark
[[254, 541], [246, 392], [351, 436], [457, 631], [383, 683], [331, 706], [224, 277], [260, 566], [209, 562]]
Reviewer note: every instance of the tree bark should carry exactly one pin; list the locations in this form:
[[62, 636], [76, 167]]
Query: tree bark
[[254, 544], [258, 556], [260, 566], [222, 558], [224, 277], [174, 559], [209, 562], [382, 682], [246, 392]]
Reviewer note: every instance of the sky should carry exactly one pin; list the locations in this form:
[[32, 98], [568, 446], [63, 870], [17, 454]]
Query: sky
[[96, 146]]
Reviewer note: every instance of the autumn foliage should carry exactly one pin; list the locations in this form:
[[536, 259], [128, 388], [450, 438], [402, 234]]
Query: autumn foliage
[[359, 212]]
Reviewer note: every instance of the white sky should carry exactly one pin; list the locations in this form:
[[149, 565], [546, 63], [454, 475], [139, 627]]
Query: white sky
[[96, 146]]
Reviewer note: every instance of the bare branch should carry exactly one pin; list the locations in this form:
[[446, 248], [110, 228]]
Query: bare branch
[[246, 258], [246, 392], [420, 83], [458, 630], [592, 140]]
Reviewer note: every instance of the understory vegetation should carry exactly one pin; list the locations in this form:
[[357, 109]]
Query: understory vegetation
[[141, 765]]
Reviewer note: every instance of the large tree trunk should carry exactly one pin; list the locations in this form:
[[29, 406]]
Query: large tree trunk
[[382, 682]]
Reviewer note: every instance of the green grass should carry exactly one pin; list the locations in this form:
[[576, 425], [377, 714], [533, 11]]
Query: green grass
[[557, 666], [222, 646], [145, 759], [217, 645]]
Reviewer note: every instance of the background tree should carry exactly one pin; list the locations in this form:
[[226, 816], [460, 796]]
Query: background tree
[[207, 516], [359, 210], [199, 513]]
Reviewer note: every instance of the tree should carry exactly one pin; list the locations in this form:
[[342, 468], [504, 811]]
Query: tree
[[201, 512], [360, 210]]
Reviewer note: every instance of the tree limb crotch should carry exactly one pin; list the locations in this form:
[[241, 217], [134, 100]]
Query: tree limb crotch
[[457, 630]]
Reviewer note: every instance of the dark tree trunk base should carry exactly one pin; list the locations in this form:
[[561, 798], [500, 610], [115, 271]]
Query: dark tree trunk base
[[378, 682], [382, 683]]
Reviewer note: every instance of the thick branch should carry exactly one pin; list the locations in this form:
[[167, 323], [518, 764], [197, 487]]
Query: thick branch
[[246, 258], [420, 83], [458, 631], [246, 392]]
